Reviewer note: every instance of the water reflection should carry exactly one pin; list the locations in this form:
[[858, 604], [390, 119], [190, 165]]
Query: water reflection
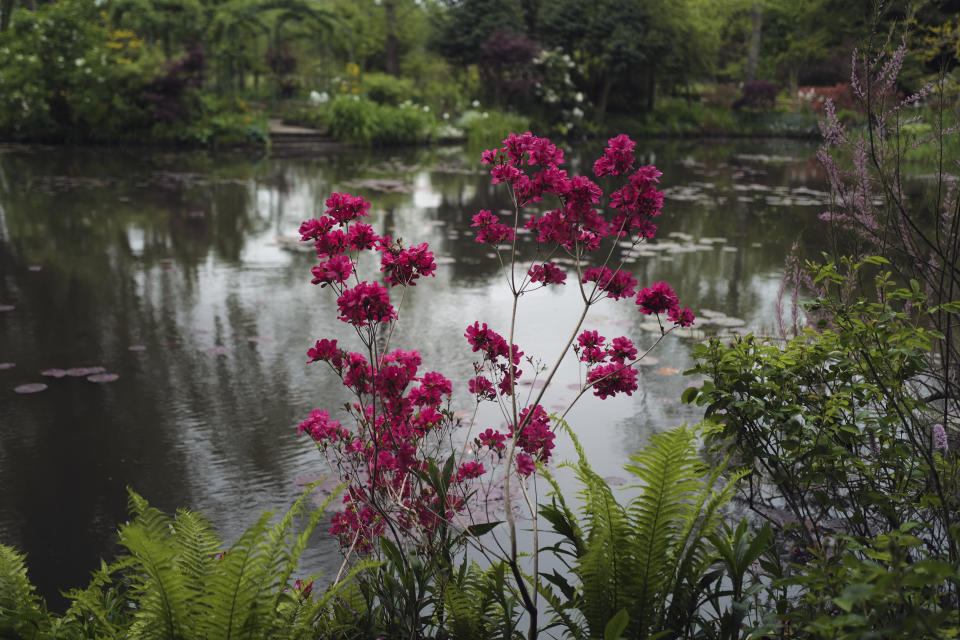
[[185, 258]]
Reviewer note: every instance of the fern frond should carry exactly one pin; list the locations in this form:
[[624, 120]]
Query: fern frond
[[16, 591], [237, 589], [163, 592]]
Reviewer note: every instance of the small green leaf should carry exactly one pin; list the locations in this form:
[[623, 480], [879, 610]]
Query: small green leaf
[[616, 625], [477, 530]]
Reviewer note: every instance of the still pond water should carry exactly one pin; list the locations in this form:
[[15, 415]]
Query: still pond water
[[173, 271]]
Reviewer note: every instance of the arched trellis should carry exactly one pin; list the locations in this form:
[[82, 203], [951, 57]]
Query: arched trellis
[[241, 21]]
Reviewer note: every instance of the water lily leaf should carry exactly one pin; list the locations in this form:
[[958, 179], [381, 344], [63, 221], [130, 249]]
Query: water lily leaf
[[32, 387]]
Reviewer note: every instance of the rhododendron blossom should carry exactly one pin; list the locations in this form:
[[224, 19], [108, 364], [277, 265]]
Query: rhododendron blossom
[[389, 457], [365, 303]]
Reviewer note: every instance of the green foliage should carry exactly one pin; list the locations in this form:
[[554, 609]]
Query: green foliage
[[840, 434], [383, 88], [647, 559], [22, 614], [356, 119], [486, 129], [64, 75], [176, 581], [479, 603], [876, 588]]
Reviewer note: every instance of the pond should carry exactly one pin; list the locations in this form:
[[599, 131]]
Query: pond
[[177, 273]]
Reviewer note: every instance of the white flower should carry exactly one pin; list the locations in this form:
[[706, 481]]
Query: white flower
[[475, 104], [579, 96], [426, 109], [485, 114], [446, 116], [577, 112], [79, 62]]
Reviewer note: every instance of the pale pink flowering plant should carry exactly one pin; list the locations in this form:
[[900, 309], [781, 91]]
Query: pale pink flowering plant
[[401, 419]]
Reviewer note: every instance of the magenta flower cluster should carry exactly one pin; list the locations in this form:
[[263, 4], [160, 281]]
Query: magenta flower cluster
[[396, 407]]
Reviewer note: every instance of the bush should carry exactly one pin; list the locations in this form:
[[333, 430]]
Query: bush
[[65, 75], [358, 120], [758, 95], [384, 88], [487, 128]]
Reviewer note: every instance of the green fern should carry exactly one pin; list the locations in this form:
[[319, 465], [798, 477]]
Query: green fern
[[645, 558], [22, 612]]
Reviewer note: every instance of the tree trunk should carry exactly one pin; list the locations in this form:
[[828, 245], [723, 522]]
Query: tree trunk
[[651, 89], [393, 62], [6, 9], [753, 56], [604, 96]]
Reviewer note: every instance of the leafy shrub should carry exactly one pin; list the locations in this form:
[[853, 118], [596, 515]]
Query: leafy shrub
[[65, 75], [487, 128], [384, 88], [356, 119], [844, 446], [758, 95]]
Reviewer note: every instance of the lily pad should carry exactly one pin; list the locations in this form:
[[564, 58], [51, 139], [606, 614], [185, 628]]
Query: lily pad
[[32, 387], [7, 307], [666, 371], [82, 372], [217, 351], [136, 347], [54, 373], [103, 377], [6, 365], [34, 267]]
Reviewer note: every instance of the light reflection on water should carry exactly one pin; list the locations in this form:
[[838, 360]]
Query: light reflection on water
[[187, 254]]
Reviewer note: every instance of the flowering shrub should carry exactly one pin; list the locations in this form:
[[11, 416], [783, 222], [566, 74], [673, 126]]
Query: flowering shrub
[[401, 418]]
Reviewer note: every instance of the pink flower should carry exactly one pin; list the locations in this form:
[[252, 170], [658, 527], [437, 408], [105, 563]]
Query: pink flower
[[326, 350], [617, 158], [313, 229], [617, 284], [344, 207], [658, 298], [621, 350], [590, 346], [331, 243], [490, 230], [361, 236], [609, 380], [491, 343], [335, 270], [682, 318], [404, 266], [504, 173], [470, 470], [536, 437], [493, 439], [321, 428], [525, 464], [482, 388], [366, 303], [547, 273]]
